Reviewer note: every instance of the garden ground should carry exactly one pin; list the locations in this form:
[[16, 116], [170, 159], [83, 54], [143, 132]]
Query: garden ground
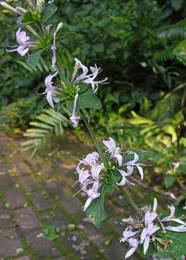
[[39, 218]]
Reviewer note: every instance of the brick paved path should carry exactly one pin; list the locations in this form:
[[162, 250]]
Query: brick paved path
[[39, 219]]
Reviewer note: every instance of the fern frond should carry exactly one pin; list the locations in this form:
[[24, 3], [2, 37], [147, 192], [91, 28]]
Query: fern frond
[[50, 122], [163, 55], [174, 31]]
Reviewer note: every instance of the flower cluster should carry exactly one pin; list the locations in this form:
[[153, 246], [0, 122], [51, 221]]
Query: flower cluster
[[89, 171], [125, 169], [85, 78], [143, 231]]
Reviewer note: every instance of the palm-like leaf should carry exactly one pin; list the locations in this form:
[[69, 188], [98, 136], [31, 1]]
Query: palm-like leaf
[[50, 122]]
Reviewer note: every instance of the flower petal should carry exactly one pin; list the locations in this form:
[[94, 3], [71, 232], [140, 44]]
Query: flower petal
[[146, 245]]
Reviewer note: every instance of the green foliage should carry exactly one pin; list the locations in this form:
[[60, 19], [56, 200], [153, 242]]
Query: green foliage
[[48, 123], [48, 12], [18, 114], [50, 232], [87, 99], [96, 211], [176, 247]]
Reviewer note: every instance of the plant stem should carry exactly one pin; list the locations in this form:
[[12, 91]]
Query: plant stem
[[132, 202], [93, 136]]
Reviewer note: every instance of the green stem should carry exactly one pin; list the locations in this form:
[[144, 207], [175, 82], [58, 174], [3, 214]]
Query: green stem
[[93, 136], [132, 203]]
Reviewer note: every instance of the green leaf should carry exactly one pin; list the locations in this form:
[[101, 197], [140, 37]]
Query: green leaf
[[48, 12], [34, 58], [177, 246], [169, 180], [87, 99], [50, 232], [96, 211], [176, 4]]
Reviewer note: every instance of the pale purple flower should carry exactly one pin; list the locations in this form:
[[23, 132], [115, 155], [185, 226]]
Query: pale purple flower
[[53, 47], [150, 228], [89, 171], [127, 233], [83, 176], [91, 159], [171, 217], [86, 78], [133, 163], [96, 170], [51, 90], [151, 223], [181, 228], [74, 118], [113, 150], [124, 178], [92, 194], [146, 235], [133, 243], [23, 41], [78, 65]]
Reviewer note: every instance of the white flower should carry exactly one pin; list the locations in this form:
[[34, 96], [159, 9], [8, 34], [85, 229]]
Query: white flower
[[181, 228], [146, 234], [96, 169], [83, 176], [53, 47], [89, 170], [85, 77], [92, 194], [113, 150], [171, 217], [150, 228], [133, 163], [127, 233], [91, 159], [133, 242], [23, 41], [74, 118], [124, 178], [50, 90]]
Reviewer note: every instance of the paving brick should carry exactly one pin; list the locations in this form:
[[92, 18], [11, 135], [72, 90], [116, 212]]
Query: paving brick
[[71, 205], [54, 187], [117, 251], [41, 201], [41, 246], [30, 183], [6, 182], [15, 198], [26, 219], [6, 222], [9, 243], [22, 169], [23, 258], [56, 218], [4, 167]]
